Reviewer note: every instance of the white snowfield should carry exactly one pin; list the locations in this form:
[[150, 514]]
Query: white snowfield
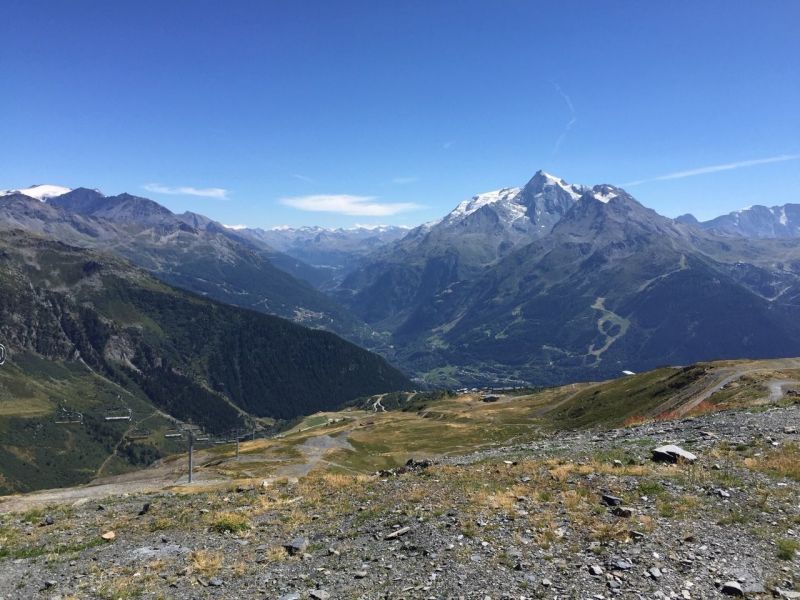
[[509, 200], [40, 192]]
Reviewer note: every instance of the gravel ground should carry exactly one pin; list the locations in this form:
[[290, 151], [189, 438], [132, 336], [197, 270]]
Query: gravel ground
[[582, 514]]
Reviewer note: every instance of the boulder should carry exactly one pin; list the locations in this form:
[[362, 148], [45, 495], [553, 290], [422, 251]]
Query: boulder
[[673, 454], [296, 546], [732, 588]]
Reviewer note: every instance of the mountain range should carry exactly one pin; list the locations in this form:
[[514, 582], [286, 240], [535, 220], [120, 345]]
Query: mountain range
[[334, 250], [754, 222], [186, 250], [538, 284], [553, 282]]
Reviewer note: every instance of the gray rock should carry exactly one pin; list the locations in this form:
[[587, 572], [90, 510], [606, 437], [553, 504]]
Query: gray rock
[[319, 594], [610, 500], [215, 582], [654, 572], [732, 588], [596, 570], [290, 596], [297, 546], [621, 511], [672, 453], [397, 533]]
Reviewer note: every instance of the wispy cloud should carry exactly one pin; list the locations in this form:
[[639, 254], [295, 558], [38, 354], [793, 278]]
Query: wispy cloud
[[404, 180], [346, 204], [572, 118], [448, 144], [186, 190], [716, 168], [305, 178]]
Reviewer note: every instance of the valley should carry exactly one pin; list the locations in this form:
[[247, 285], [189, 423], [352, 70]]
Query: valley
[[89, 335], [366, 438]]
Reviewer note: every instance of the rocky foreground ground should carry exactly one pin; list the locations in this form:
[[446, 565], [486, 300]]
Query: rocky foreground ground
[[572, 515]]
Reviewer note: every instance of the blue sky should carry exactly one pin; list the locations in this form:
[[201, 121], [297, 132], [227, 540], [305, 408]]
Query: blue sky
[[393, 112]]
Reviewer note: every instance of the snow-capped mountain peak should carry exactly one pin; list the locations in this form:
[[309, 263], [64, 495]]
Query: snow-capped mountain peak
[[536, 207], [543, 182], [604, 193], [39, 191], [467, 207]]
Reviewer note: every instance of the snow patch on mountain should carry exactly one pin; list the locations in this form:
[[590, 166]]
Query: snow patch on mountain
[[40, 191], [467, 207], [604, 193]]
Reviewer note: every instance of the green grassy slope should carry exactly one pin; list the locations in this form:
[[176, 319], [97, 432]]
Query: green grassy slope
[[82, 328]]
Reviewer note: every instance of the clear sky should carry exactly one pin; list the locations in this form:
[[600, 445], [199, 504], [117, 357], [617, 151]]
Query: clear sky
[[263, 112]]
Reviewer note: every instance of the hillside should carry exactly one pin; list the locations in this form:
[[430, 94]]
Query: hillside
[[187, 251], [528, 495], [91, 332]]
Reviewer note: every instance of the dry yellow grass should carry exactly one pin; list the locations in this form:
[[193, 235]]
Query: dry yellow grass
[[783, 462], [276, 554], [205, 562], [228, 522]]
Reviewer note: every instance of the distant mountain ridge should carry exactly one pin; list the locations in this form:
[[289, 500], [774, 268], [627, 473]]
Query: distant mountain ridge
[[757, 221], [337, 251], [189, 251]]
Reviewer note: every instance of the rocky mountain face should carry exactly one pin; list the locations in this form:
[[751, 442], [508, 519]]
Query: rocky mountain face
[[189, 251], [554, 282], [758, 222], [405, 275], [82, 328]]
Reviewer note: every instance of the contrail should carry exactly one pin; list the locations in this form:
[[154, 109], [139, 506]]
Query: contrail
[[715, 168], [573, 119]]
